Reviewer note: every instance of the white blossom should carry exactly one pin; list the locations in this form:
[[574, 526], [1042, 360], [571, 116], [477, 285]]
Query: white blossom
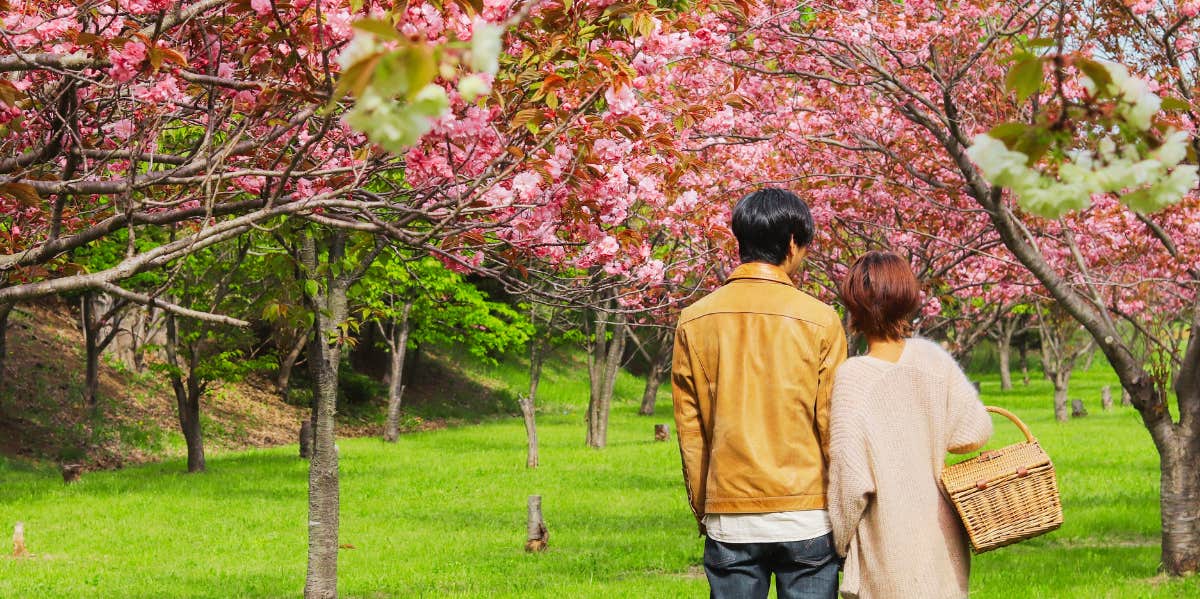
[[1174, 148], [362, 45], [1137, 105], [486, 44], [473, 86], [999, 164], [1146, 182]]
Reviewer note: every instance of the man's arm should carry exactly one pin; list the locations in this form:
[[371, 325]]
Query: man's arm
[[686, 379], [835, 354]]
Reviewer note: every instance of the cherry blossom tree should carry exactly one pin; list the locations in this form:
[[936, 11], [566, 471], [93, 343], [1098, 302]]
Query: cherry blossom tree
[[898, 92]]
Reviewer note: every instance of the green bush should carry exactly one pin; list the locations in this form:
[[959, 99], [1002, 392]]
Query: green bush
[[355, 389]]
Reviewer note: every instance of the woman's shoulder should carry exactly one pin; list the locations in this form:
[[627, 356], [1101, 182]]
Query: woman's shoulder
[[928, 350], [858, 372], [856, 364], [930, 357]]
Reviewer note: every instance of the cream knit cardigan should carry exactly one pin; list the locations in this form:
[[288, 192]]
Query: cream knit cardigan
[[891, 425]]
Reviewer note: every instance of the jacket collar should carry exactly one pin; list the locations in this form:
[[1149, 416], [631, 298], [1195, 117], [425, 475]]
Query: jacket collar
[[762, 271]]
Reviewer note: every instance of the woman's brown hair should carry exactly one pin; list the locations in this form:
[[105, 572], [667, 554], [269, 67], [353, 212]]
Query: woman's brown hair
[[881, 294]]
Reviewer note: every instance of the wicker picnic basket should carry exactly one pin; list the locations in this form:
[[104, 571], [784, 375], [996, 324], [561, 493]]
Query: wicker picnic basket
[[1005, 495]]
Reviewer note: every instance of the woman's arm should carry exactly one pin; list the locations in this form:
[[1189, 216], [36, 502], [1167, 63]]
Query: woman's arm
[[970, 426], [851, 484]]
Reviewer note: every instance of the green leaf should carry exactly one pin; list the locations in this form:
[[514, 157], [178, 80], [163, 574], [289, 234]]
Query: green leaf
[[1025, 78], [1009, 132], [391, 75], [419, 66], [310, 288], [1041, 42], [382, 29], [355, 79], [1034, 143], [1173, 103], [1095, 71]]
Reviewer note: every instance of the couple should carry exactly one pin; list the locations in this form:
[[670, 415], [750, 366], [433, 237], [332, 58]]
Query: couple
[[797, 459]]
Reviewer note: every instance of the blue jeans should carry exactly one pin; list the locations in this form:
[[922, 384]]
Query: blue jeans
[[803, 569]]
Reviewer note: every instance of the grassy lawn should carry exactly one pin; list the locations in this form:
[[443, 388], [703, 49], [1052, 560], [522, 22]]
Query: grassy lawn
[[442, 514]]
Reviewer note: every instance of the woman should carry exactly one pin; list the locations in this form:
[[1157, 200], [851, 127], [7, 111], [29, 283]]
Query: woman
[[895, 413]]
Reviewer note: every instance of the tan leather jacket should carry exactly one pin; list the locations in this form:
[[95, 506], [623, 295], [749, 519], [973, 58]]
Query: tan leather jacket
[[751, 379]]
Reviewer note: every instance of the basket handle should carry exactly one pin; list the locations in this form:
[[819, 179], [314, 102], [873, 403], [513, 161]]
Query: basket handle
[[1013, 417]]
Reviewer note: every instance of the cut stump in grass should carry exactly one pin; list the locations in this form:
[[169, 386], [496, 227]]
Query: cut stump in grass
[[539, 537], [1106, 400], [662, 432], [1077, 409], [1126, 400], [19, 549], [71, 472]]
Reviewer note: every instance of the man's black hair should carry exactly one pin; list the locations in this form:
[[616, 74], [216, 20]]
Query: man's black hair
[[766, 221]]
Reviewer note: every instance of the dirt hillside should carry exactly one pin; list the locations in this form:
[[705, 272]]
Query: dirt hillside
[[43, 414]]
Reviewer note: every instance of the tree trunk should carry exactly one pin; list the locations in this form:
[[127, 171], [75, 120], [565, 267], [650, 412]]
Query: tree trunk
[[1180, 503], [5, 310], [658, 370], [1078, 410], [398, 344], [537, 535], [1106, 400], [1061, 402], [283, 378], [187, 399], [96, 340], [306, 439], [604, 361], [323, 488], [329, 307], [1003, 349], [650, 395], [189, 422], [91, 333], [1023, 359], [528, 403]]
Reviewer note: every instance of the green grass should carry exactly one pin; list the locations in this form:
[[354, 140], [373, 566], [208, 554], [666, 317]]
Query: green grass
[[442, 514]]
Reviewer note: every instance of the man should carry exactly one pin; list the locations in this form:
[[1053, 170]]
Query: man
[[752, 377]]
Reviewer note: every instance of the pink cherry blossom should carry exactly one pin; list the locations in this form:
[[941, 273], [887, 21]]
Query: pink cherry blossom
[[262, 7], [126, 61]]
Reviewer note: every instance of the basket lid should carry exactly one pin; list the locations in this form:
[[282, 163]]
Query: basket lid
[[991, 465]]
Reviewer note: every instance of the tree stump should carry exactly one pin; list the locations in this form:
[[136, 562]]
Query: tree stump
[[306, 439], [71, 472], [19, 549], [1077, 409], [662, 432], [539, 537], [1106, 400], [1126, 400]]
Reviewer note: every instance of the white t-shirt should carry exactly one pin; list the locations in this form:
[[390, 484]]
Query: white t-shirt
[[773, 527]]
